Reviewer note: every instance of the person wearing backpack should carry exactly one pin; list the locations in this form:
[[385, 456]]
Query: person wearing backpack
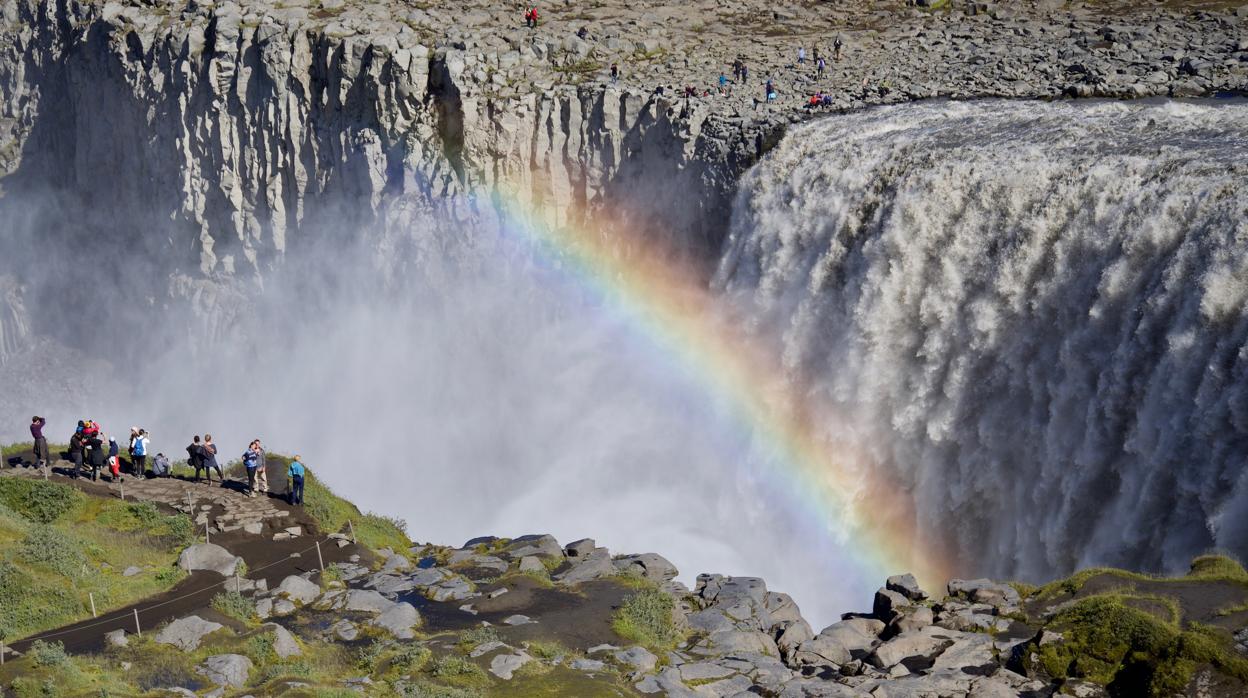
[[114, 462], [138, 453], [96, 455], [77, 443], [294, 479]]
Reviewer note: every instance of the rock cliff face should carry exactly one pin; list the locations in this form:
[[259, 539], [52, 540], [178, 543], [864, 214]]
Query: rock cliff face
[[235, 130]]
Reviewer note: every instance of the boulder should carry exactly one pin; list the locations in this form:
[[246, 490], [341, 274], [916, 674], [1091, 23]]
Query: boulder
[[532, 563], [345, 630], [298, 589], [596, 565], [543, 545], [920, 647], [366, 601], [209, 556], [284, 643], [984, 591], [654, 567], [888, 605], [186, 633], [116, 638], [911, 619], [399, 620], [580, 548], [906, 585], [588, 665], [639, 659], [792, 634], [230, 670], [728, 642]]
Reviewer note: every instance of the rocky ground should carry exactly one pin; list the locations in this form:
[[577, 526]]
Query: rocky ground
[[531, 616]]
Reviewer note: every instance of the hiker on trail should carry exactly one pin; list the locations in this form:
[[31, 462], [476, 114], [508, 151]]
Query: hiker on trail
[[530, 18], [723, 84], [736, 69], [138, 453], [114, 463], [161, 466], [194, 457], [801, 55], [769, 91], [41, 444], [76, 444], [251, 461], [836, 48], [745, 72], [294, 482], [96, 455], [615, 73], [209, 451], [582, 33], [820, 65], [262, 470]]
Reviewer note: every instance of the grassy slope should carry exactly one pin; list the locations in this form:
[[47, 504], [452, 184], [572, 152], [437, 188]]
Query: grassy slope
[[58, 546], [1136, 637]]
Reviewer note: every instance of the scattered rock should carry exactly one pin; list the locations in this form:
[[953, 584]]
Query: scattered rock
[[209, 556], [504, 665], [229, 670], [531, 564], [399, 620], [186, 633], [116, 638], [649, 565], [131, 571], [298, 589]]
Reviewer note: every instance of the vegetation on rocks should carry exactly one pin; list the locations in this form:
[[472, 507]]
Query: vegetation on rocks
[[645, 618]]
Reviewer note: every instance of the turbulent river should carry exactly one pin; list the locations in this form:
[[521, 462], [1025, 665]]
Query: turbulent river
[[1031, 317]]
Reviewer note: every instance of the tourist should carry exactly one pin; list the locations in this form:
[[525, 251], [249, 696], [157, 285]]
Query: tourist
[[723, 84], [195, 458], [736, 70], [138, 453], [745, 72], [615, 73], [77, 443], [820, 64], [294, 481], [836, 48], [40, 443], [801, 55], [114, 462], [96, 455], [161, 466], [262, 470], [251, 460], [769, 91], [209, 450], [582, 33]]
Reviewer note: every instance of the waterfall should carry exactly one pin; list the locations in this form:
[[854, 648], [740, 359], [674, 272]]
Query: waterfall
[[1034, 312]]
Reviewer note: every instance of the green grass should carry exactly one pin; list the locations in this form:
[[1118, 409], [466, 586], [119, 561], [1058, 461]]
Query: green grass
[[645, 618], [236, 606], [473, 637], [332, 513], [58, 547], [1210, 568]]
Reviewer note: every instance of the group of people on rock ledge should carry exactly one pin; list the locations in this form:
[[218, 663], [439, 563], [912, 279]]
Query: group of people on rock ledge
[[91, 450]]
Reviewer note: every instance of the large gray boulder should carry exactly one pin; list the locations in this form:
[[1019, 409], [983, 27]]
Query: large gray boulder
[[654, 567], [906, 585], [595, 565], [229, 670], [504, 665], [298, 589], [366, 601], [209, 556], [580, 548], [984, 591], [186, 633], [840, 642], [925, 644], [399, 620], [543, 546], [284, 643]]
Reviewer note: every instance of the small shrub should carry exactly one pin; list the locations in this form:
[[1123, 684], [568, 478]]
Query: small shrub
[[474, 637], [646, 619], [235, 605], [459, 669], [38, 500], [181, 529], [259, 649], [1217, 567], [546, 650], [368, 657], [48, 654], [50, 547]]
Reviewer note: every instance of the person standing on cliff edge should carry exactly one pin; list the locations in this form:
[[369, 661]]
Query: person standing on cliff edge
[[294, 481], [41, 444]]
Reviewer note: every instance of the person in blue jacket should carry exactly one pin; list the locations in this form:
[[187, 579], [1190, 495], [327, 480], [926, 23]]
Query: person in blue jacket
[[251, 461], [294, 476]]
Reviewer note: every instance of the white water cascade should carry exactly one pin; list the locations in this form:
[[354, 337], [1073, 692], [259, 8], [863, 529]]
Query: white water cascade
[[1038, 311]]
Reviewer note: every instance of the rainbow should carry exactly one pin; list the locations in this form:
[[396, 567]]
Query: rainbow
[[836, 484]]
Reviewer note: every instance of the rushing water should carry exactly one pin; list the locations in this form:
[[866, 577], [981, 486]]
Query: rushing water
[[1037, 311]]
